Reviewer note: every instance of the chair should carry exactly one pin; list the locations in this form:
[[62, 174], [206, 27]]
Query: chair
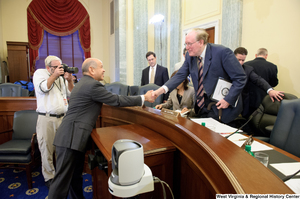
[[286, 134], [143, 90], [10, 90], [261, 124], [133, 90], [21, 152], [117, 88]]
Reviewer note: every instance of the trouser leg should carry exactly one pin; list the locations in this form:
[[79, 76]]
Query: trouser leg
[[46, 130], [65, 167]]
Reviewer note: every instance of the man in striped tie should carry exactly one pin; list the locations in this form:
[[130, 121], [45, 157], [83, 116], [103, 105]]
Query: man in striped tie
[[207, 63]]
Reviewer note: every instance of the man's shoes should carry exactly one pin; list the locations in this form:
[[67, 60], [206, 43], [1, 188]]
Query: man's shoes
[[48, 183]]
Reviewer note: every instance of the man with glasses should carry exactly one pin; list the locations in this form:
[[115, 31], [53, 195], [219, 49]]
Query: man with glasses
[[207, 63], [52, 87]]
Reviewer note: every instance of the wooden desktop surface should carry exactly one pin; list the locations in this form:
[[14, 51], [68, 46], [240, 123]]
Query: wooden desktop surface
[[206, 163]]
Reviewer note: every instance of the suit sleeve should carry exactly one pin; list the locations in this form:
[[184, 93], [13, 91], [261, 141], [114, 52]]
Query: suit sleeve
[[236, 74], [274, 79], [143, 78], [169, 103], [180, 76], [165, 76], [258, 80], [100, 94]]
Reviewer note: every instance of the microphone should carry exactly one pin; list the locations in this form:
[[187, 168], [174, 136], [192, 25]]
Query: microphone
[[291, 176], [250, 118]]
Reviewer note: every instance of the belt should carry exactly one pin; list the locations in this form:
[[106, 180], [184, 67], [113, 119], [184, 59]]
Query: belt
[[52, 115]]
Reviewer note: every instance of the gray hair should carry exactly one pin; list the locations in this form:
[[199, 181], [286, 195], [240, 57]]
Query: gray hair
[[262, 52], [51, 58], [90, 62], [201, 34]]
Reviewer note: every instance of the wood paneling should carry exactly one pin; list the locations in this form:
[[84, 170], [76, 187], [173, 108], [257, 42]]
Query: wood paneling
[[18, 56]]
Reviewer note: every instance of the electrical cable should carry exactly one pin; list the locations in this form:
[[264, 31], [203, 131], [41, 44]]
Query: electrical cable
[[156, 179]]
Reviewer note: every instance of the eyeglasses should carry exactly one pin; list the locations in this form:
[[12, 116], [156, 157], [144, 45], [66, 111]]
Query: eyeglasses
[[189, 44], [53, 67]]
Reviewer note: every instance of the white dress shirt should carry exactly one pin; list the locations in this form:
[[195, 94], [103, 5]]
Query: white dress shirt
[[53, 100]]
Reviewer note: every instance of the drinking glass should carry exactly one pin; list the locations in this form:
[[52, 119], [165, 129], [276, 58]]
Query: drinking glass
[[262, 157]]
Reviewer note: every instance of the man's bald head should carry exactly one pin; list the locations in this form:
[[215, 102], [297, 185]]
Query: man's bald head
[[89, 62]]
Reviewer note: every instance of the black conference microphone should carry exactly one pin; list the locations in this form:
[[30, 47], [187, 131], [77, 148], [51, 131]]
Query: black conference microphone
[[250, 118]]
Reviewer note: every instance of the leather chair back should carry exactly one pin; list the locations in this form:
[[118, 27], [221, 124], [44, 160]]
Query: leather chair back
[[10, 90], [286, 131], [143, 90], [133, 90], [267, 114], [24, 124], [117, 88]]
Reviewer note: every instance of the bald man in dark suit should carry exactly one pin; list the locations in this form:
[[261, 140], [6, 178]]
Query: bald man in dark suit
[[74, 132], [266, 70]]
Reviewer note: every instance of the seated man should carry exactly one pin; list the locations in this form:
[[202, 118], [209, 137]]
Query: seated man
[[241, 54]]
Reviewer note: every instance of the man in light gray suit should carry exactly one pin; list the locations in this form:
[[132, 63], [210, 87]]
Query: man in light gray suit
[[73, 134]]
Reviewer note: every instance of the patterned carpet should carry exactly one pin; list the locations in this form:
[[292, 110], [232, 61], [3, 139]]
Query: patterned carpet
[[13, 184]]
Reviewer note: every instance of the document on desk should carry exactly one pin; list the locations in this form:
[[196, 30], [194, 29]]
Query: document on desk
[[294, 184], [289, 169], [239, 140], [215, 125]]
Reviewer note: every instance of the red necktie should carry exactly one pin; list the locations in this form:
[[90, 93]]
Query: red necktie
[[200, 92]]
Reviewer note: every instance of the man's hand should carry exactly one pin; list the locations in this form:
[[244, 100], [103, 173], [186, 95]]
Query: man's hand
[[222, 104], [276, 95], [68, 77], [158, 92], [159, 106], [148, 96], [58, 71], [184, 110]]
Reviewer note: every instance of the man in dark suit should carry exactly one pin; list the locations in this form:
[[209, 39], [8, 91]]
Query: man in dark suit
[[154, 73], [219, 62], [266, 70], [74, 132], [253, 78]]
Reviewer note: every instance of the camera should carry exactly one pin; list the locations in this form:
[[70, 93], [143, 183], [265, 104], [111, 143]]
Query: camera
[[69, 69]]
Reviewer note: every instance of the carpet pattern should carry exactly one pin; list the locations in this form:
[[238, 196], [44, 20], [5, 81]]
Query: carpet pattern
[[13, 184]]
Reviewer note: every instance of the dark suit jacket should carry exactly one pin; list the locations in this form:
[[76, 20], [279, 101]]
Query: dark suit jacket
[[252, 78], [85, 105], [266, 70], [219, 62], [161, 76]]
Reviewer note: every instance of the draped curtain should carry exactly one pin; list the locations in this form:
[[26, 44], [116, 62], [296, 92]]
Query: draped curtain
[[60, 18]]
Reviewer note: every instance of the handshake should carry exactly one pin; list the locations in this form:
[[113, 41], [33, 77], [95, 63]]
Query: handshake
[[151, 95]]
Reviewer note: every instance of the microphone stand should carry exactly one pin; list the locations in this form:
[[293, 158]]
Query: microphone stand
[[250, 118]]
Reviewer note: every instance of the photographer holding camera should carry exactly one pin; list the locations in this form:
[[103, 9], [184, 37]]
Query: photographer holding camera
[[52, 87]]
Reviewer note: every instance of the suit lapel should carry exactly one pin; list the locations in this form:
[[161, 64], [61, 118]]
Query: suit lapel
[[207, 60], [156, 73]]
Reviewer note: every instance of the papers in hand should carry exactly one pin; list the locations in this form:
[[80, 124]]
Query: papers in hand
[[221, 90], [184, 113]]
